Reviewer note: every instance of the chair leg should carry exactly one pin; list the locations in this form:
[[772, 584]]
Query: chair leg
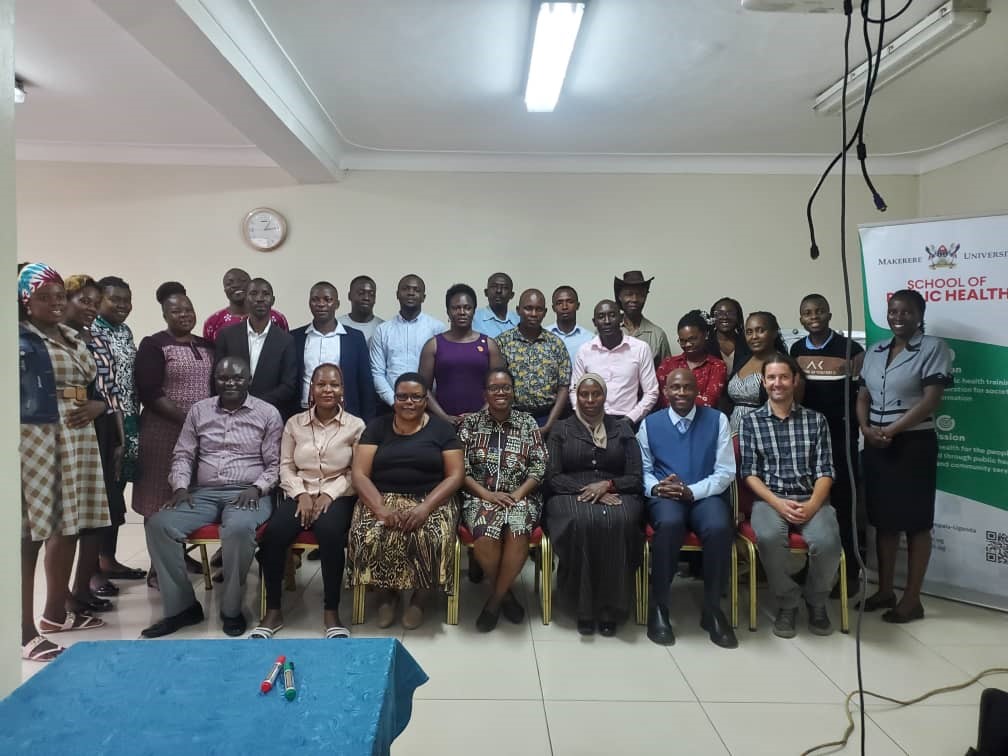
[[262, 593], [536, 554], [207, 579], [453, 595], [844, 619], [358, 603], [752, 585], [733, 590], [546, 565], [290, 568]]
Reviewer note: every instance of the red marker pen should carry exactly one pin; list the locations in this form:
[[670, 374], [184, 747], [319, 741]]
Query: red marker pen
[[267, 684]]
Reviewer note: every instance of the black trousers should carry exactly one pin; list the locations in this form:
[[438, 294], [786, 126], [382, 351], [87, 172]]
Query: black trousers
[[330, 529], [841, 496]]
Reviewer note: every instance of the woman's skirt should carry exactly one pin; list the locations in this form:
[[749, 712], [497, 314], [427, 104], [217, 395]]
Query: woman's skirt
[[599, 547], [900, 482], [394, 560]]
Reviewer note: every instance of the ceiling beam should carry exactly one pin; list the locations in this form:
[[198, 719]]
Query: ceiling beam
[[225, 52]]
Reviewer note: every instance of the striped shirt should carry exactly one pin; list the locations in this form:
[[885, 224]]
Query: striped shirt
[[228, 447], [788, 454]]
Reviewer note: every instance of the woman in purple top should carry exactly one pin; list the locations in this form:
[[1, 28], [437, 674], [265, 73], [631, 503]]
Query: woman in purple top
[[173, 372], [456, 362]]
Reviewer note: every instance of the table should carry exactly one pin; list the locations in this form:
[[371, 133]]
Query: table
[[202, 697]]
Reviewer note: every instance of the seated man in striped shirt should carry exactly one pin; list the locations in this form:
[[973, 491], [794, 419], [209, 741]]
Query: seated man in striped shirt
[[225, 464], [788, 463]]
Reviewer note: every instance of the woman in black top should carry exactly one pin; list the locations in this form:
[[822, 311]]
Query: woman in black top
[[595, 512], [407, 470]]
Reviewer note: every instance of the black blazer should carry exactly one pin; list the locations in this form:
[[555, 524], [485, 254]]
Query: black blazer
[[355, 361], [276, 376]]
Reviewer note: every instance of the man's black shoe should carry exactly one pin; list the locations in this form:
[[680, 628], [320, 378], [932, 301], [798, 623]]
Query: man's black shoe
[[719, 628], [233, 626], [191, 616], [659, 630]]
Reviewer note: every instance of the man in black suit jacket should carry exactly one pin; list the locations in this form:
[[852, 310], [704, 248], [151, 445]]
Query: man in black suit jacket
[[327, 340], [269, 350]]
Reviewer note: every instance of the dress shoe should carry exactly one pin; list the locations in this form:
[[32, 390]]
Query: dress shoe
[[191, 616], [818, 620], [607, 629], [586, 626], [897, 617], [511, 609], [719, 628], [784, 624], [192, 566], [659, 629], [877, 601], [234, 626], [487, 620]]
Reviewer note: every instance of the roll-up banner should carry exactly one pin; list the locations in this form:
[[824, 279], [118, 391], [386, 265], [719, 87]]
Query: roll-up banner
[[960, 266]]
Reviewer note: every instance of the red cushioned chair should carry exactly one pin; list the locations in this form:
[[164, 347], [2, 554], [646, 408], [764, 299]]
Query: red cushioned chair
[[796, 544], [541, 552], [692, 543], [206, 536]]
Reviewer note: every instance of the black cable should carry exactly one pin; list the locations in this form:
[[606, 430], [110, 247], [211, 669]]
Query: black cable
[[884, 20], [871, 78], [862, 573]]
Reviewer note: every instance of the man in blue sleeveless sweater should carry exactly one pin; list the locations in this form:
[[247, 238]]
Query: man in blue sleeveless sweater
[[688, 466]]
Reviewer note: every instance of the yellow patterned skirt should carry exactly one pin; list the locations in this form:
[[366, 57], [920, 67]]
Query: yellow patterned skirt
[[391, 559]]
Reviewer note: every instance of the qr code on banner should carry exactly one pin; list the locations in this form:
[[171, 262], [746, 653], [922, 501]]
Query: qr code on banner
[[997, 547]]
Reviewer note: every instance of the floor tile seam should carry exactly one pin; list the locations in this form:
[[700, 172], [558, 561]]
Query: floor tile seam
[[542, 693], [699, 702]]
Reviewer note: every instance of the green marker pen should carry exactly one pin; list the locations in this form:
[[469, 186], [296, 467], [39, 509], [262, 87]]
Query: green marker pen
[[290, 692]]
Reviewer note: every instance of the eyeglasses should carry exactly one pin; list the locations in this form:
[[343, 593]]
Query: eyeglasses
[[410, 397], [500, 389]]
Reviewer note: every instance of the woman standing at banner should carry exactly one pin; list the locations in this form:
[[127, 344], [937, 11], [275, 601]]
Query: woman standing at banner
[[902, 382]]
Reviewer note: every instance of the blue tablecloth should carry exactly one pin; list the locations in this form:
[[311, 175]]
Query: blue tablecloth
[[202, 697]]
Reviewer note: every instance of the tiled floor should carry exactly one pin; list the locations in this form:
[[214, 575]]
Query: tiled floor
[[535, 689]]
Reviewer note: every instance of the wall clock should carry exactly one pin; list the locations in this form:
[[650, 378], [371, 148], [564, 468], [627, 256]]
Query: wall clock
[[264, 229]]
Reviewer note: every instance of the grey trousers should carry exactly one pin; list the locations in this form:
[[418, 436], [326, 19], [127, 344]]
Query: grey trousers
[[823, 537], [170, 527]]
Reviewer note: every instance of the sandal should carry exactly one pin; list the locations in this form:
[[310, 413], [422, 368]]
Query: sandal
[[30, 650], [337, 632], [72, 622], [261, 632]]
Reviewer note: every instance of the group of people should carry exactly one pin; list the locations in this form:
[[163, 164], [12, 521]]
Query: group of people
[[383, 436]]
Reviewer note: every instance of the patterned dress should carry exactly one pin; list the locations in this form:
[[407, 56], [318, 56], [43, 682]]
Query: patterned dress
[[181, 372], [62, 488], [500, 457], [119, 339], [746, 394], [105, 425]]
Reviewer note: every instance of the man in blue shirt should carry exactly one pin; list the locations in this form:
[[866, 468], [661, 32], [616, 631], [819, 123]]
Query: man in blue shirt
[[396, 344], [496, 318], [688, 464], [566, 305]]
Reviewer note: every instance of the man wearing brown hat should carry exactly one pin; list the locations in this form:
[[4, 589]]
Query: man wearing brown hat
[[631, 293]]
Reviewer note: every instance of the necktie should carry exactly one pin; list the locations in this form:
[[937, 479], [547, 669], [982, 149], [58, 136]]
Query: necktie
[[683, 425]]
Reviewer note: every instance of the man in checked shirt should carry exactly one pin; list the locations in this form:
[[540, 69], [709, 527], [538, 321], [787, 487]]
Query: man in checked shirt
[[225, 464], [788, 464]]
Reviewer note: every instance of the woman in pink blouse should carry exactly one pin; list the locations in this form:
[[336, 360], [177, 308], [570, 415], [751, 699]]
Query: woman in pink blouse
[[318, 495]]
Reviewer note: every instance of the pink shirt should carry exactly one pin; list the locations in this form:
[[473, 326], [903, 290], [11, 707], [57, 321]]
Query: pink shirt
[[628, 370], [222, 319]]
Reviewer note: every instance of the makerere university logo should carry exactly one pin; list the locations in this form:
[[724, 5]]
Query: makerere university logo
[[941, 256]]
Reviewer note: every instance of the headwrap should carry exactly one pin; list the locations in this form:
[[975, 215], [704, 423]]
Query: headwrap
[[33, 276], [598, 432]]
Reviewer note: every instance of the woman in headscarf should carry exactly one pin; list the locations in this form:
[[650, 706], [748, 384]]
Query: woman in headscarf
[[595, 510], [62, 486]]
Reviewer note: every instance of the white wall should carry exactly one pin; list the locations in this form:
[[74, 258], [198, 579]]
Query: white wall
[[10, 468], [702, 236], [972, 187]]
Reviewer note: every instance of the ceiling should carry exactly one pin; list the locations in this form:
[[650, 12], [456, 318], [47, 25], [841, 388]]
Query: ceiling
[[654, 84]]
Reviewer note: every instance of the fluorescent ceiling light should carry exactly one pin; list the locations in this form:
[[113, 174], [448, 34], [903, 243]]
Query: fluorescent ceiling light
[[556, 31], [935, 32], [19, 93]]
